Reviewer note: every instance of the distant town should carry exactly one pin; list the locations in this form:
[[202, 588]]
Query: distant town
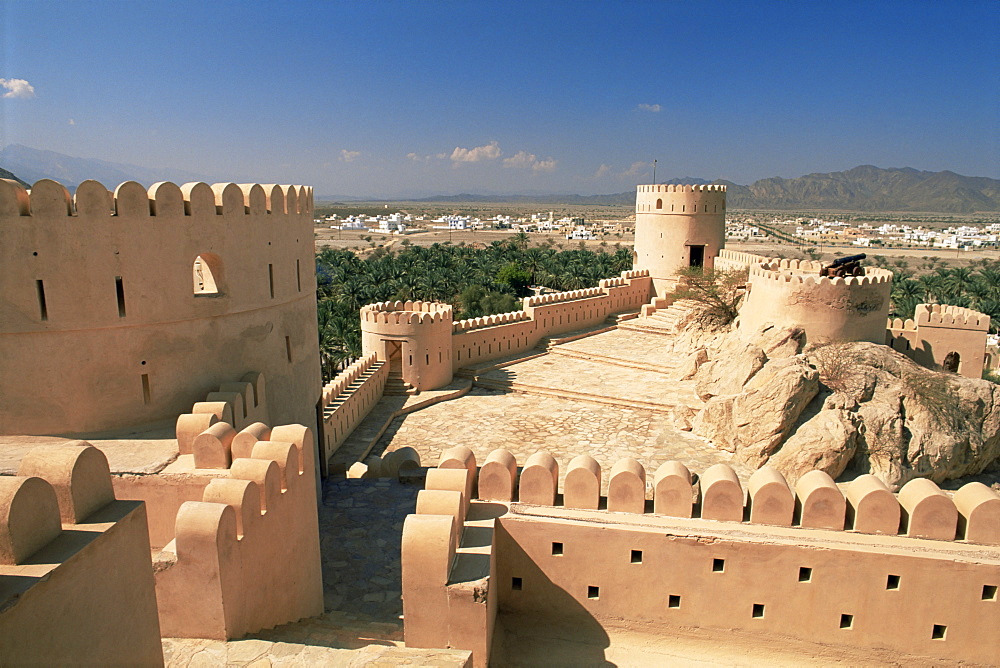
[[740, 227]]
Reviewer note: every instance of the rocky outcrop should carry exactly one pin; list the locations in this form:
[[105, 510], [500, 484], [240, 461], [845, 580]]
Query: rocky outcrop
[[915, 422], [756, 421], [728, 374], [883, 414], [826, 442]]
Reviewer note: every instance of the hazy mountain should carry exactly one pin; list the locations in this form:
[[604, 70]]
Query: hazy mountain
[[33, 164], [868, 188], [864, 188], [4, 174]]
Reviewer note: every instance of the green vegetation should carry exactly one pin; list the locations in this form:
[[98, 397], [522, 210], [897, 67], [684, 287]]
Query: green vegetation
[[718, 294], [976, 288], [476, 282]]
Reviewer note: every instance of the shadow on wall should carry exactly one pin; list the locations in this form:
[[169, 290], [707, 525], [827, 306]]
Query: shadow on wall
[[556, 631]]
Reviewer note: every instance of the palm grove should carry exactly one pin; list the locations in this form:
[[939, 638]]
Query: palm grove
[[476, 281]]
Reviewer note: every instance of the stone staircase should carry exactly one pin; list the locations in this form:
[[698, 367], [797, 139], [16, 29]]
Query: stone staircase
[[337, 401], [396, 386], [667, 321]]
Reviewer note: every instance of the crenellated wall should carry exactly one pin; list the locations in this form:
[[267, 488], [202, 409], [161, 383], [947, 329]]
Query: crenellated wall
[[118, 309], [792, 293], [75, 579], [813, 563], [943, 336], [414, 338], [246, 555], [678, 226], [348, 398], [427, 347]]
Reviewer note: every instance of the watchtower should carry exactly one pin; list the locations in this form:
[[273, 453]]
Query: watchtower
[[678, 226], [414, 338]]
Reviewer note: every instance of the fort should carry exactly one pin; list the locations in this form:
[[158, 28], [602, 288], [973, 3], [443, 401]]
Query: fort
[[163, 446]]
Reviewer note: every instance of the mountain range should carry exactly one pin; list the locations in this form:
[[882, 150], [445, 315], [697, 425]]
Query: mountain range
[[32, 164], [864, 188]]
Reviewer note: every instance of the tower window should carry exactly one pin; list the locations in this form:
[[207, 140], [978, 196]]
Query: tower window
[[120, 293], [43, 311], [659, 204]]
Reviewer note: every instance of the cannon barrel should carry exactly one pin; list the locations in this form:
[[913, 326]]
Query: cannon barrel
[[850, 258]]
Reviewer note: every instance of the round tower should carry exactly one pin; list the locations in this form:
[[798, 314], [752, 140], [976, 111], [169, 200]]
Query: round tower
[[792, 293], [414, 338], [678, 226]]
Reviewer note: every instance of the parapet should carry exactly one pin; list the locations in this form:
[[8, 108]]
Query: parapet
[[681, 199], [74, 563], [806, 272], [867, 507], [490, 320], [227, 573], [386, 315], [49, 199], [951, 317]]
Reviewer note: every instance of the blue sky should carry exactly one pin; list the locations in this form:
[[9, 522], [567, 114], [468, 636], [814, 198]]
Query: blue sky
[[402, 98]]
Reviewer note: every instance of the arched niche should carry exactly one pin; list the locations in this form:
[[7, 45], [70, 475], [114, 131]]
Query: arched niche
[[207, 275]]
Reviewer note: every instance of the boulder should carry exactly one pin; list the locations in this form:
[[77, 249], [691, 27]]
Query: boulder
[[728, 373], [690, 365], [916, 422], [826, 442], [755, 422]]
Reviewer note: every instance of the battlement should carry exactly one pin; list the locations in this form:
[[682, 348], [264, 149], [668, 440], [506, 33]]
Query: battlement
[[50, 199], [74, 563], [792, 293], [226, 572], [941, 336], [680, 188], [920, 510], [490, 320], [756, 560], [952, 317], [806, 272], [406, 313], [681, 199], [121, 287]]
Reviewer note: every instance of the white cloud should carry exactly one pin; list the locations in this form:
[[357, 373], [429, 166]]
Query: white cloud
[[637, 169], [348, 156], [414, 157], [655, 108], [490, 151], [602, 171], [525, 160], [546, 165], [520, 159], [72, 122], [17, 88]]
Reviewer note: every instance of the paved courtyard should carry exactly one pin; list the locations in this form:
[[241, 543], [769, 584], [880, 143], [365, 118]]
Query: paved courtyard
[[524, 424]]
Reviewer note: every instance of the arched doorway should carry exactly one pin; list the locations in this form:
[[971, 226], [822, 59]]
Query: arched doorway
[[951, 362]]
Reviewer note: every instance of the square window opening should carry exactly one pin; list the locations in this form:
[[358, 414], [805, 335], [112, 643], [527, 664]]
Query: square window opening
[[938, 632], [515, 584], [989, 592], [805, 574], [892, 582], [674, 601], [758, 610], [636, 556], [593, 592], [557, 549], [846, 621], [718, 565]]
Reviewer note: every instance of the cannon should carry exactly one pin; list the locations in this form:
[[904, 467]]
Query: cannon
[[845, 266]]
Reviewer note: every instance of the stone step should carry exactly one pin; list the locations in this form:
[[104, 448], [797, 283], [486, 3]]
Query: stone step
[[670, 401], [311, 651], [666, 369]]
